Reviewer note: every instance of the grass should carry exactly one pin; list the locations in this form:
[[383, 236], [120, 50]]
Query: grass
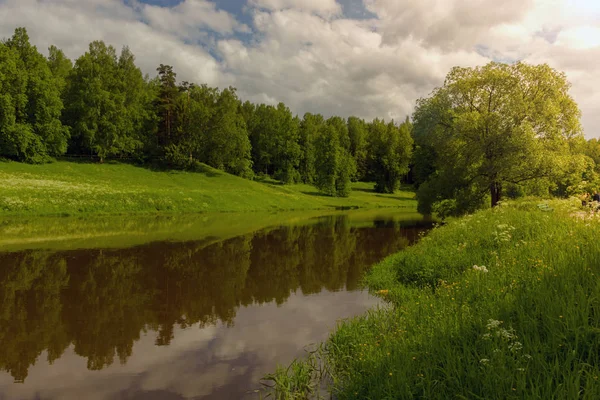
[[66, 188], [503, 304]]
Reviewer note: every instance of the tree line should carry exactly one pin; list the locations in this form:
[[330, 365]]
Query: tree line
[[490, 132], [103, 106]]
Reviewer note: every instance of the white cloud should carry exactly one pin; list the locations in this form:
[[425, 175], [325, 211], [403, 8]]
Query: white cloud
[[323, 7], [306, 54], [189, 18]]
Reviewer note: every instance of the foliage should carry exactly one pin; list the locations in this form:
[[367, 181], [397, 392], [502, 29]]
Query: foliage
[[274, 137], [30, 103], [483, 307], [309, 130], [357, 132], [390, 149], [492, 126], [333, 163], [107, 104]]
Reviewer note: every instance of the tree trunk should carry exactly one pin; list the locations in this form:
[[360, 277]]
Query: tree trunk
[[496, 192]]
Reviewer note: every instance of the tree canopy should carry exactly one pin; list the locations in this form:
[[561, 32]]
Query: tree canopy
[[491, 126]]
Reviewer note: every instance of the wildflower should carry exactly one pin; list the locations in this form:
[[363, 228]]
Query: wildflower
[[480, 268], [390, 374], [383, 292], [492, 324], [484, 361]]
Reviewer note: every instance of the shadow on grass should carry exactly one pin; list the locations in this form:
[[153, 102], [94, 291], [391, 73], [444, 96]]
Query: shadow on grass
[[400, 198], [317, 194], [364, 190]]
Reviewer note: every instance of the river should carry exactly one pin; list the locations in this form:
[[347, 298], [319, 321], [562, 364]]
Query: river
[[179, 308]]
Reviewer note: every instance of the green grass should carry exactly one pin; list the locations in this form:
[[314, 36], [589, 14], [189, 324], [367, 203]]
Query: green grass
[[527, 326], [64, 188]]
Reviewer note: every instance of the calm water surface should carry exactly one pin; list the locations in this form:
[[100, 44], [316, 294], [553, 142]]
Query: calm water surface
[[194, 319]]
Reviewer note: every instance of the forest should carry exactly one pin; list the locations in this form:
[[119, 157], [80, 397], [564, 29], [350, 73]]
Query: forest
[[102, 106], [489, 133]]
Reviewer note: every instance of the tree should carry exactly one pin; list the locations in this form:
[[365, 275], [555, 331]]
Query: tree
[[165, 103], [333, 163], [137, 104], [309, 129], [60, 66], [274, 137], [490, 126], [30, 103], [226, 145], [95, 105], [389, 153], [357, 131]]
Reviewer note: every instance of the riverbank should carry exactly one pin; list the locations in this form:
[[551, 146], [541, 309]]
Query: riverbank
[[498, 305], [67, 188]]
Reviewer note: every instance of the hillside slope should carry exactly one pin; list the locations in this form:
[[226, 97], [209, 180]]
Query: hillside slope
[[65, 188]]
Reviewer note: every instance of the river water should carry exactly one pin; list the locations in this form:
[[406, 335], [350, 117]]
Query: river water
[[204, 317]]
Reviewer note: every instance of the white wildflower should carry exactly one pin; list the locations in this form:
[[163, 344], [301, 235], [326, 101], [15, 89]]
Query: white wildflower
[[481, 268]]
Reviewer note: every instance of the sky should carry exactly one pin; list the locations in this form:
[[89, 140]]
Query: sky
[[368, 58]]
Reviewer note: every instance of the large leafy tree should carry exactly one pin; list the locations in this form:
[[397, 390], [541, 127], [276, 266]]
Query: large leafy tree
[[309, 129], [30, 103], [389, 153], [60, 65], [357, 131], [491, 126], [225, 143], [334, 165], [274, 136], [108, 102]]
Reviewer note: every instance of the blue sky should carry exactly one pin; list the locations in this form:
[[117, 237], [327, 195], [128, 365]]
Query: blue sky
[[369, 58]]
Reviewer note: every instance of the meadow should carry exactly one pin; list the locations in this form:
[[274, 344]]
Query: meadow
[[67, 188], [501, 304]]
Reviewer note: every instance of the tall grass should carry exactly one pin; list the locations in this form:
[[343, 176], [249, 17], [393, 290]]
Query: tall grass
[[498, 305]]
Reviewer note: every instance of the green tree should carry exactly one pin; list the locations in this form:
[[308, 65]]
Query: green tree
[[60, 66], [108, 103], [491, 126], [166, 103], [95, 109], [30, 103], [226, 145], [389, 151], [137, 104], [357, 131], [333, 163], [274, 137], [309, 129]]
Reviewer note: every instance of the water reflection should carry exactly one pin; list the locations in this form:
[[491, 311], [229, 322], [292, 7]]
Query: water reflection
[[196, 301]]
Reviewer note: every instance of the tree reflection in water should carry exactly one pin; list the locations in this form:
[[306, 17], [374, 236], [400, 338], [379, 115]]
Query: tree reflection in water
[[102, 300]]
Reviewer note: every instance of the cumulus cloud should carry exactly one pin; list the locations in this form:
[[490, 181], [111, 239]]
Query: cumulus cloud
[[190, 18], [307, 54], [323, 7]]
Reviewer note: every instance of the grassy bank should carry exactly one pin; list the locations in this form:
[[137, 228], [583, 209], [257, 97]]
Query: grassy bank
[[65, 188], [499, 305]]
